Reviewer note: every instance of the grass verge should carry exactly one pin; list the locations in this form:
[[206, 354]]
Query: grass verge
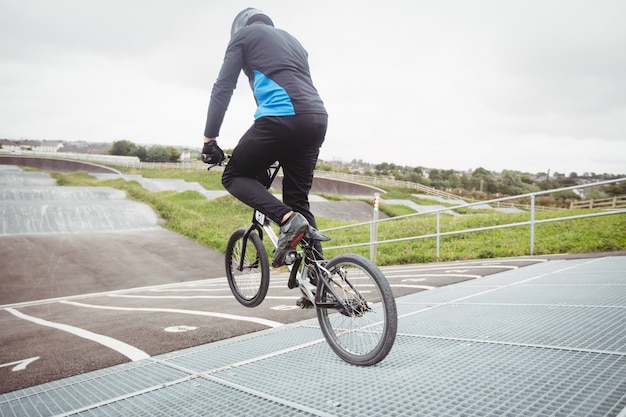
[[210, 222]]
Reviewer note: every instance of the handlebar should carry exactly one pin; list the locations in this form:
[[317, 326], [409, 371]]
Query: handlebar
[[266, 178], [221, 163]]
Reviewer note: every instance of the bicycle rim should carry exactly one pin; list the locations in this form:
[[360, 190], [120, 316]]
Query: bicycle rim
[[249, 280], [362, 328]]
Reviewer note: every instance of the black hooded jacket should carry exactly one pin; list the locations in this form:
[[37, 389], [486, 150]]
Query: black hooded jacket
[[276, 65]]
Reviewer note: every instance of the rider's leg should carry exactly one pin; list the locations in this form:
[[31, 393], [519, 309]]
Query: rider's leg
[[299, 164], [257, 149], [294, 141]]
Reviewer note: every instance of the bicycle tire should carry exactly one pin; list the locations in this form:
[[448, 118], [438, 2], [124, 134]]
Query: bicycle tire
[[249, 285], [359, 333]]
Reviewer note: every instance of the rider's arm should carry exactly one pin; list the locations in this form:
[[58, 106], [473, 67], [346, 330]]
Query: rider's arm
[[223, 88]]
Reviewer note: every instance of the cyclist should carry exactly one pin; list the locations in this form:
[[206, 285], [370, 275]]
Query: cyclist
[[289, 127]]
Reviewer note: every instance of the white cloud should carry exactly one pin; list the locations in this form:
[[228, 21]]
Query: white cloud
[[532, 85]]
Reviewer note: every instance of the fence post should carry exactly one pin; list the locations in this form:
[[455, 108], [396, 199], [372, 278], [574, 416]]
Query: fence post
[[438, 235], [532, 224], [374, 229]]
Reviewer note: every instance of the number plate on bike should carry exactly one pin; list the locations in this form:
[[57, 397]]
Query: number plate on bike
[[260, 217]]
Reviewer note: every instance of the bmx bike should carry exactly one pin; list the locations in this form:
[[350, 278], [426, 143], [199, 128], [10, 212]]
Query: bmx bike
[[354, 303]]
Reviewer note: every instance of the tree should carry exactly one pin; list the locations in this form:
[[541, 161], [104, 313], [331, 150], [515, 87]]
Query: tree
[[615, 189], [174, 154], [159, 153], [483, 181], [385, 168], [123, 148], [512, 183], [141, 153]]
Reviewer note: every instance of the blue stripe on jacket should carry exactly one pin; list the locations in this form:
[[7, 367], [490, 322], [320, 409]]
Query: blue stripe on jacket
[[271, 98]]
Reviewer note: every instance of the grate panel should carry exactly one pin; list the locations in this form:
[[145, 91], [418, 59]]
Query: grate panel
[[577, 328], [443, 294], [75, 392], [198, 397], [240, 349], [590, 295], [580, 270], [441, 377]]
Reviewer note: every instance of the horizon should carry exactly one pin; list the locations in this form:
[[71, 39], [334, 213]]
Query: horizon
[[358, 160]]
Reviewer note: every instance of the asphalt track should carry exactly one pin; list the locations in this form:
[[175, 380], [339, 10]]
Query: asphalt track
[[92, 283], [67, 252]]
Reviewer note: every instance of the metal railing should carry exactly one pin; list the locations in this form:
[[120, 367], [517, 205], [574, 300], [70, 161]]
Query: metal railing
[[532, 222]]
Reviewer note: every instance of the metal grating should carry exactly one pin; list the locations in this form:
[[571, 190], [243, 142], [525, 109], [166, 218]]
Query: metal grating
[[601, 329], [562, 295], [245, 348], [84, 390], [197, 397], [443, 377], [547, 340]]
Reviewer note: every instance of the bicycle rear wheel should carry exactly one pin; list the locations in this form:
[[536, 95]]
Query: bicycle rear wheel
[[362, 323], [250, 279]]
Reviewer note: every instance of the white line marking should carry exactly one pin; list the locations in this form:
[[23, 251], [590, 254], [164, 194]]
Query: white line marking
[[392, 270], [125, 349], [180, 329], [192, 290], [268, 323], [210, 281], [177, 297], [185, 297], [19, 365], [424, 287], [437, 276]]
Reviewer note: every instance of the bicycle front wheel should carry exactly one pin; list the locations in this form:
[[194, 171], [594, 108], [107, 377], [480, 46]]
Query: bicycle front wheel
[[247, 268], [356, 311]]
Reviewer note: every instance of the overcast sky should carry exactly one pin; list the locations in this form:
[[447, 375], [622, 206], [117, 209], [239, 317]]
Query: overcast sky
[[528, 85]]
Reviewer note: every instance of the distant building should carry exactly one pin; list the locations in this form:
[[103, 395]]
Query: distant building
[[185, 156], [31, 145], [48, 146]]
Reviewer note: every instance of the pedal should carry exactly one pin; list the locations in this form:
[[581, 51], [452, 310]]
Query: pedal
[[290, 258], [304, 303]]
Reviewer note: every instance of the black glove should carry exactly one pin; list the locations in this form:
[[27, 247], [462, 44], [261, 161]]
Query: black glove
[[211, 153]]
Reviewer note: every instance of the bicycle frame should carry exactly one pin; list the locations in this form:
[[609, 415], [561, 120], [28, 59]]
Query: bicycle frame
[[326, 285], [261, 224]]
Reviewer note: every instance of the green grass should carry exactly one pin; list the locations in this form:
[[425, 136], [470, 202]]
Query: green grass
[[210, 222]]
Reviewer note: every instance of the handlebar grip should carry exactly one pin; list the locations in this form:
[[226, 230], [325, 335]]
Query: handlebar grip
[[221, 163]]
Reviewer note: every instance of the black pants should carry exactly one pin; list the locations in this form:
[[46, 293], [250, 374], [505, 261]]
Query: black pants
[[293, 141]]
